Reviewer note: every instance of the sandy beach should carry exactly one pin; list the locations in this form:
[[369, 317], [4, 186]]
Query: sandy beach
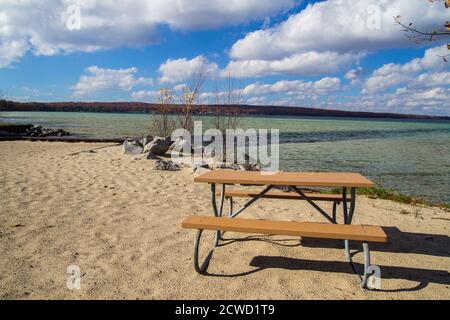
[[119, 220]]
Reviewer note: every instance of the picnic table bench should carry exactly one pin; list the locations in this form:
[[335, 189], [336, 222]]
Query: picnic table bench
[[295, 181]]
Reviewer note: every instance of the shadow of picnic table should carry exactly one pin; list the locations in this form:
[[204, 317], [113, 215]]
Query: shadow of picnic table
[[399, 242]]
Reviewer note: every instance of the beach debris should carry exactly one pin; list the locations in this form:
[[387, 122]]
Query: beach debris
[[132, 147], [39, 131], [158, 146], [164, 165], [18, 225]]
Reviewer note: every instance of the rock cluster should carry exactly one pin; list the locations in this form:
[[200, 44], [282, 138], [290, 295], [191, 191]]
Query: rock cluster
[[132, 147], [39, 131], [154, 147], [164, 165]]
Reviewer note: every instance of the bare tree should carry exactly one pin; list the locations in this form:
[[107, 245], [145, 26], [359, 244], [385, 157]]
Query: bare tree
[[232, 95], [417, 35], [189, 96], [162, 124]]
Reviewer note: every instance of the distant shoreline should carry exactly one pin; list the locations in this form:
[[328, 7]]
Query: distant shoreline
[[243, 110]]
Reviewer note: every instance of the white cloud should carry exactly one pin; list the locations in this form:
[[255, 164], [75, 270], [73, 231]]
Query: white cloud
[[11, 51], [403, 100], [145, 95], [329, 35], [339, 25], [295, 87], [41, 26], [306, 64], [426, 101], [391, 75], [99, 79], [432, 79], [179, 70], [257, 101], [353, 73]]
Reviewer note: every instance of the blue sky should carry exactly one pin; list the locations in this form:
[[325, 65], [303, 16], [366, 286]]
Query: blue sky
[[337, 54]]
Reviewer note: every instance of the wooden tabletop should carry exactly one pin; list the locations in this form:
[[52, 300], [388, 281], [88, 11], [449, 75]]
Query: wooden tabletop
[[306, 179]]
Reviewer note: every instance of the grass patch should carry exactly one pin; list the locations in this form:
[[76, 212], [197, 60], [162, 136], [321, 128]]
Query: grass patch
[[381, 193], [5, 124]]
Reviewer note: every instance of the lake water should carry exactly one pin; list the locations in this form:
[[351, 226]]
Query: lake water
[[411, 157]]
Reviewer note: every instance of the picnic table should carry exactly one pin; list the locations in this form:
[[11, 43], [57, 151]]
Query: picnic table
[[297, 183], [349, 182]]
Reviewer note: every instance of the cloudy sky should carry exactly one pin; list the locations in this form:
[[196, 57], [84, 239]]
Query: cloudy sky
[[337, 54]]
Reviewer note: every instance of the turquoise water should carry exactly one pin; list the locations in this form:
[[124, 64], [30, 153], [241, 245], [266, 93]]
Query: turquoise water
[[411, 157]]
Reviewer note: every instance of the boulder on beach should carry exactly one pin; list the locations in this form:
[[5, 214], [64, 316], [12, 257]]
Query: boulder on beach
[[196, 167], [250, 167], [223, 165], [164, 165], [158, 146], [146, 140], [39, 131], [151, 156], [179, 145], [132, 147], [201, 170]]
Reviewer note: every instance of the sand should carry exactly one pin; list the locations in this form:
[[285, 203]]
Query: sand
[[120, 221]]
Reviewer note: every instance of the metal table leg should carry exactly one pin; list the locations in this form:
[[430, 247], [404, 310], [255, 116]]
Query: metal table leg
[[217, 212], [201, 268], [348, 217], [230, 211]]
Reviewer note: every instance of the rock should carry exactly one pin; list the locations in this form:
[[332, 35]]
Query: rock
[[198, 150], [152, 156], [158, 146], [222, 165], [131, 147], [250, 164], [201, 170], [166, 165], [179, 145], [39, 131], [209, 152], [200, 166], [146, 140], [249, 167], [283, 188]]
